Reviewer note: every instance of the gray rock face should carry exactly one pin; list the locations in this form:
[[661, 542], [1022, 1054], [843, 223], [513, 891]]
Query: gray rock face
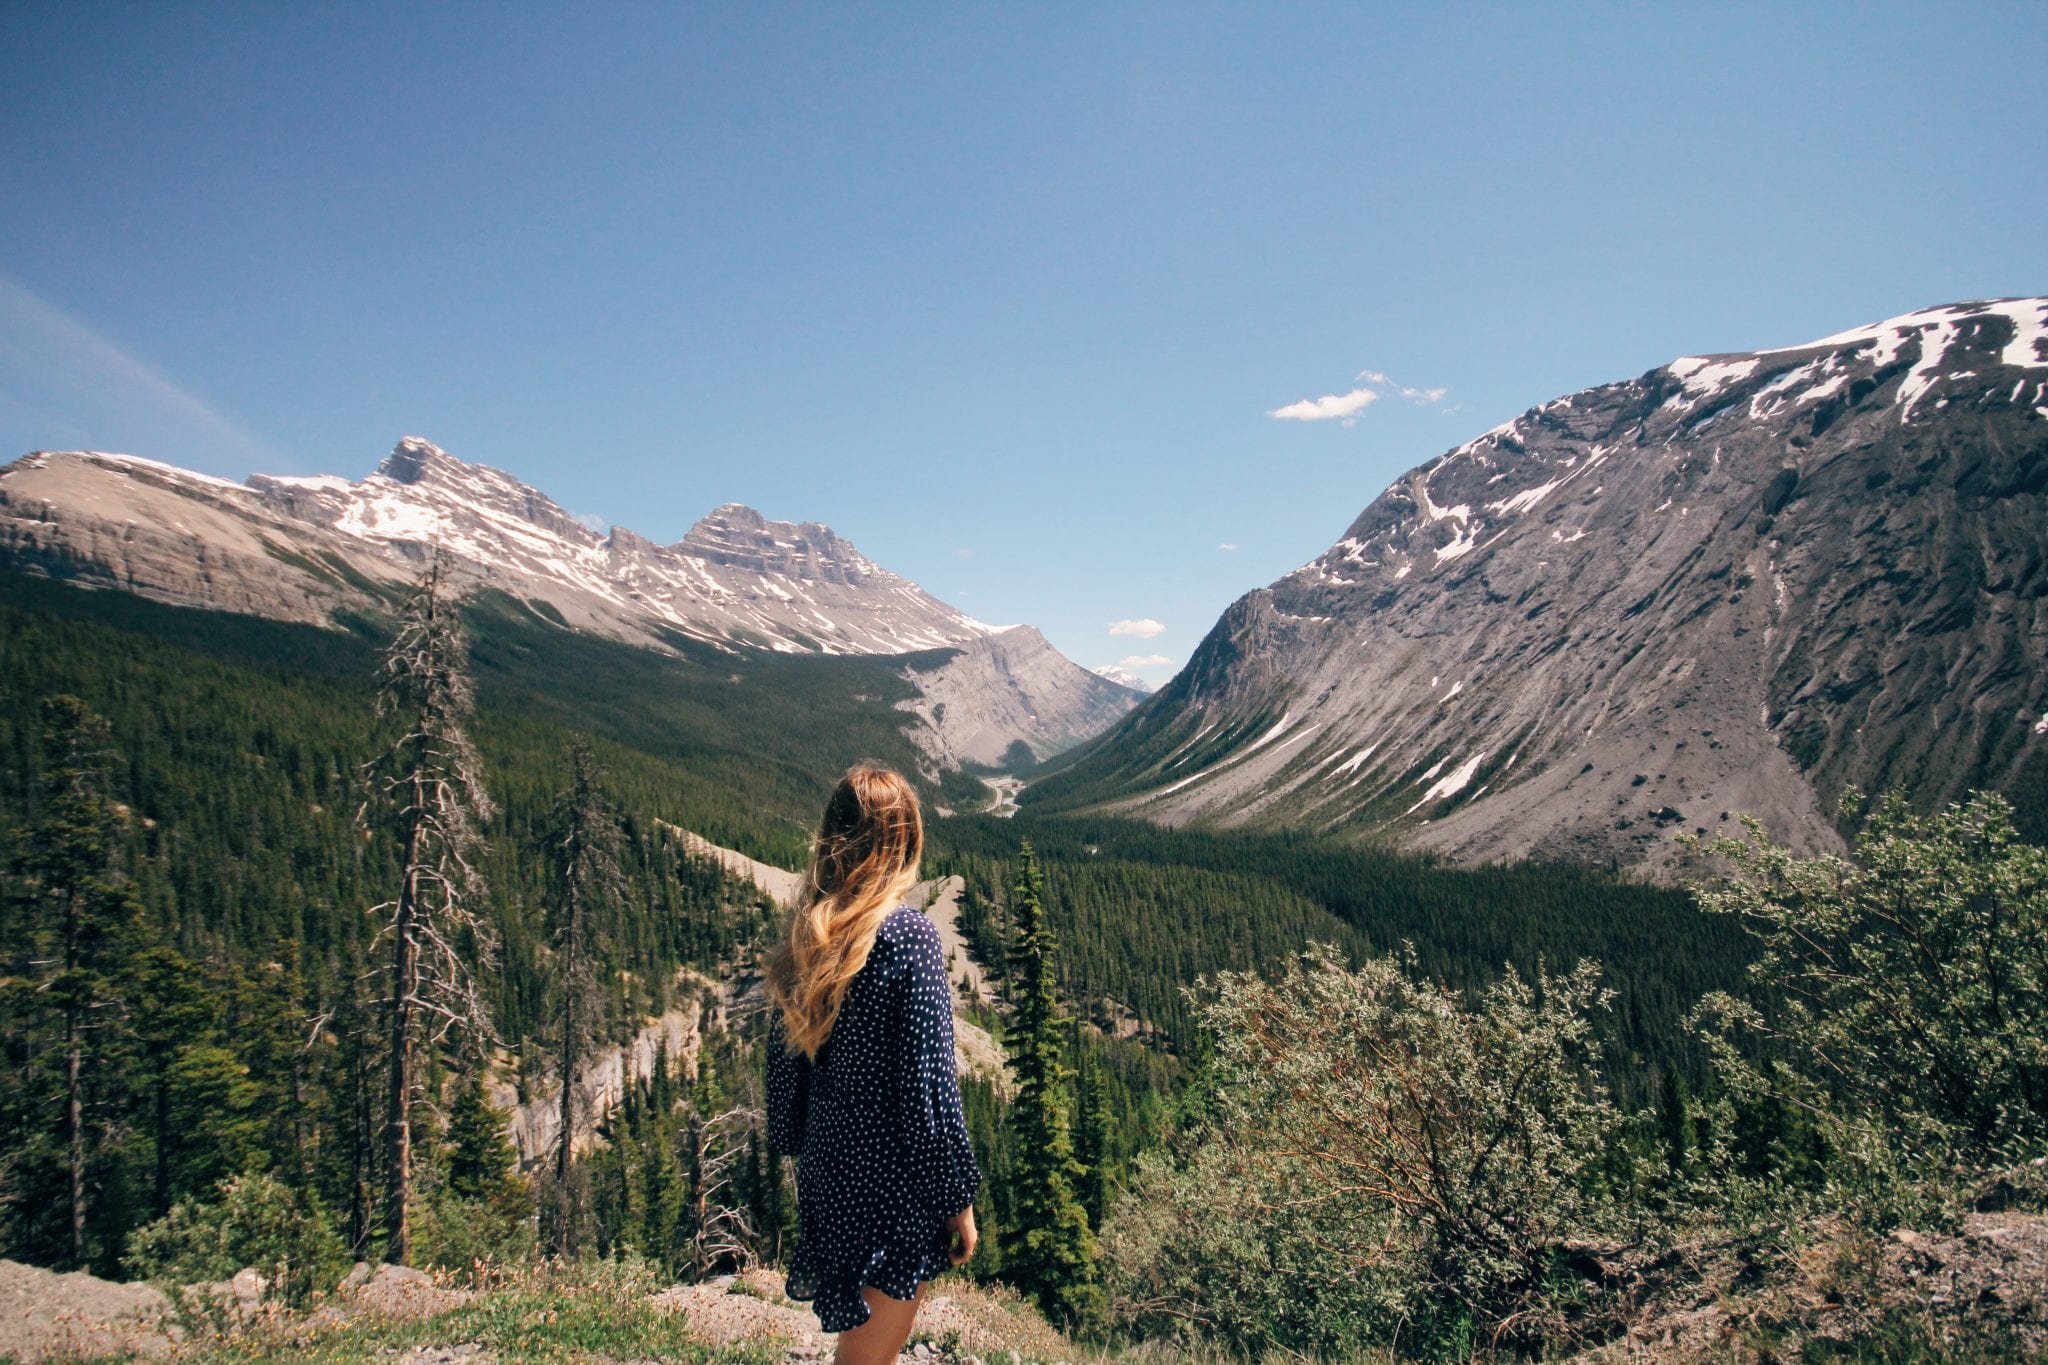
[[1735, 583], [1009, 687], [301, 548]]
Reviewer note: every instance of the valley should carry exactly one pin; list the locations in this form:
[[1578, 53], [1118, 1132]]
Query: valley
[[1462, 741]]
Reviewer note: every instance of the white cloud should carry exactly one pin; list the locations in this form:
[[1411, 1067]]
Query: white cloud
[[1379, 380], [1143, 661], [1328, 406], [1345, 407], [1144, 628], [963, 552], [592, 521], [1228, 545], [72, 386]]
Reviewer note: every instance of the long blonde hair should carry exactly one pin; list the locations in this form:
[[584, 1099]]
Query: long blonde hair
[[863, 862]]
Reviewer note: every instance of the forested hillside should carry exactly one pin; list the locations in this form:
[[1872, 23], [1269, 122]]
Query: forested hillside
[[1141, 910], [238, 1037]]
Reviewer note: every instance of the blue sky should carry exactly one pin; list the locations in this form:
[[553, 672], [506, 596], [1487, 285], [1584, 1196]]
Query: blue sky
[[1006, 294]]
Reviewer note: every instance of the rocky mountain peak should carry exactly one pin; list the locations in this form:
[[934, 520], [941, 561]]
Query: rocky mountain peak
[[737, 535], [421, 482], [417, 460], [1737, 582]]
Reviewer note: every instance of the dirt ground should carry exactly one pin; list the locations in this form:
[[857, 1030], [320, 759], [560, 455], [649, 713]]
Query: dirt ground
[[1987, 1280], [958, 1321], [44, 1314], [48, 1316]]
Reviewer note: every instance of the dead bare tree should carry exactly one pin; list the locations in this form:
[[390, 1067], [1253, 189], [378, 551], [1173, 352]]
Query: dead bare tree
[[428, 786], [715, 1149], [583, 843]]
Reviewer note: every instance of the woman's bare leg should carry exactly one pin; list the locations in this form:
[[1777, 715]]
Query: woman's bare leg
[[876, 1341]]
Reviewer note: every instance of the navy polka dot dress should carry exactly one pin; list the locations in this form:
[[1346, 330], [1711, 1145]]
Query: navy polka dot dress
[[876, 1126]]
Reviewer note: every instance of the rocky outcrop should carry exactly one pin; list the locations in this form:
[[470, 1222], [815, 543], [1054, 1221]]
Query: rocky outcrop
[[1734, 583], [1977, 1291], [672, 1040], [45, 1315]]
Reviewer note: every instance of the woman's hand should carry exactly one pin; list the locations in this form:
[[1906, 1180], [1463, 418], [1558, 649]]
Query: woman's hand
[[961, 1236]]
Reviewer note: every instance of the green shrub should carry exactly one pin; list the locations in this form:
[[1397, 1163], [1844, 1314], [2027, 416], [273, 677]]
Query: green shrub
[[475, 1214], [1908, 1028], [475, 1238], [1380, 1163], [254, 1221]]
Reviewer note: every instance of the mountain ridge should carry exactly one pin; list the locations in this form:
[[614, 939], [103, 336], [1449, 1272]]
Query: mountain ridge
[[303, 548], [1736, 582]]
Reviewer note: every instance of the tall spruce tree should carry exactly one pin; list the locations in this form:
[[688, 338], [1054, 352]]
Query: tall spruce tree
[[429, 785], [1095, 1132], [173, 1014], [84, 924], [584, 849], [1050, 1251]]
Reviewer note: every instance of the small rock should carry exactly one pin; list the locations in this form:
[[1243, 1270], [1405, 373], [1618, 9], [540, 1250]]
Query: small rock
[[1905, 1236], [358, 1277], [247, 1287]]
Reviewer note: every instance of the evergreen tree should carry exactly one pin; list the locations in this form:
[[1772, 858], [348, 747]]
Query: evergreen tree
[[430, 782], [84, 923], [173, 1012], [346, 1165], [1094, 1136], [1050, 1251], [267, 1020], [1675, 1123], [584, 845], [481, 1159]]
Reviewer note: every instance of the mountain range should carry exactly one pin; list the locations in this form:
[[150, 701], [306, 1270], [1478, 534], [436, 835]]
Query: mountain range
[[1734, 583], [308, 548]]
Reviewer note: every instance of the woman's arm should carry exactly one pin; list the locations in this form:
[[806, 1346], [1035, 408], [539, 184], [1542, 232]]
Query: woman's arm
[[789, 1091], [944, 1174]]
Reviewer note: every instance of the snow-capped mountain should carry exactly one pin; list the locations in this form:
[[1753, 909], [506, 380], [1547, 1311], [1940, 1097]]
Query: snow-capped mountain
[[1123, 677], [300, 548], [1735, 583]]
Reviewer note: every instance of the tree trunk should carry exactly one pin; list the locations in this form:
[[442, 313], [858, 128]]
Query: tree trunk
[[163, 1136], [565, 1141], [359, 1152], [74, 1113], [74, 1085], [398, 1178]]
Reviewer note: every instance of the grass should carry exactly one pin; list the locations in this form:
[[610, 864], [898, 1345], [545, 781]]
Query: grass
[[591, 1312], [1903, 1337]]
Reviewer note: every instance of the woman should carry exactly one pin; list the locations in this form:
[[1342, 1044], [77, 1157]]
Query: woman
[[861, 1086]]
